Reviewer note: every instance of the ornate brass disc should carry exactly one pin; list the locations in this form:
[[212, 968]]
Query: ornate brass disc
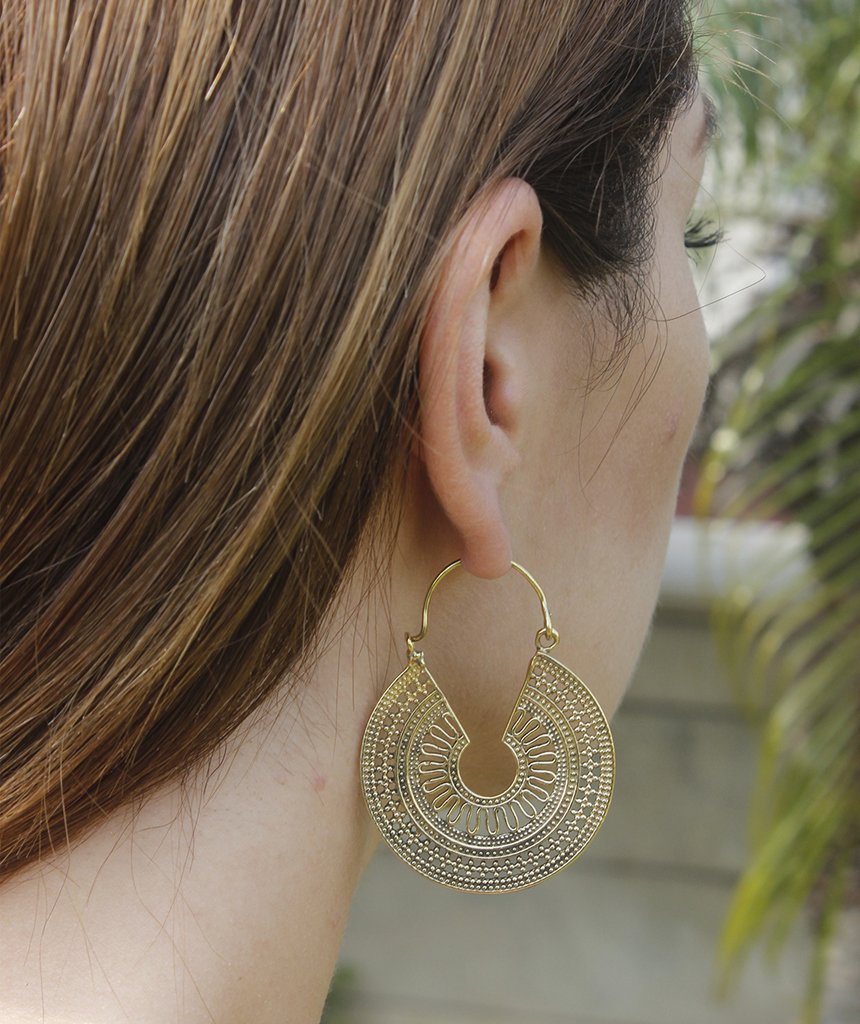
[[565, 774]]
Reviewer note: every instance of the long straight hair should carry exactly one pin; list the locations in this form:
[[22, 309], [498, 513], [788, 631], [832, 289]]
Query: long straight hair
[[220, 225]]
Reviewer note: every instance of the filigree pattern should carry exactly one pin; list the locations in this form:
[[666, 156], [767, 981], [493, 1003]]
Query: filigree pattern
[[558, 799]]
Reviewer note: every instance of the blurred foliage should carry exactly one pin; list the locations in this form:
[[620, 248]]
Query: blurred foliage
[[788, 448]]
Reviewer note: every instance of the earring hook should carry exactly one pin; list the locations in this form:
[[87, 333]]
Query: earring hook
[[546, 633]]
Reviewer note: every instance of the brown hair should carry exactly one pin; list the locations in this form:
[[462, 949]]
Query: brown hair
[[220, 229]]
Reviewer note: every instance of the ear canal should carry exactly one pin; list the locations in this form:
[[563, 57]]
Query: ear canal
[[497, 266], [488, 380]]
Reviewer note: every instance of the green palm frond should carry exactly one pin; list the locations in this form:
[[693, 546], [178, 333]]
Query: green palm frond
[[788, 449]]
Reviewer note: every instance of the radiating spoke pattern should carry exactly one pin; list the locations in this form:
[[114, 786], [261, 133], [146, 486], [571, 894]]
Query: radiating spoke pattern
[[558, 799]]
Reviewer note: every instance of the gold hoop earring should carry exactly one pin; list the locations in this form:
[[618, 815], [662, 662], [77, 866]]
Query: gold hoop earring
[[410, 775]]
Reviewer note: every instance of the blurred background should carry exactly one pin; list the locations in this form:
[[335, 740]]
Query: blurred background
[[725, 884]]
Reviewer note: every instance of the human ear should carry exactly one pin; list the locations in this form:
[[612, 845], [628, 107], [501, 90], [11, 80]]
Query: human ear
[[471, 371]]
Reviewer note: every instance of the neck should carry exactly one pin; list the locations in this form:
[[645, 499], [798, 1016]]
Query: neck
[[237, 892]]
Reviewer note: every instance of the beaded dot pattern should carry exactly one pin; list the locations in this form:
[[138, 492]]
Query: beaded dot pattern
[[558, 799]]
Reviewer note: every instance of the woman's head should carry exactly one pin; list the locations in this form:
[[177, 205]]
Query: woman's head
[[253, 261]]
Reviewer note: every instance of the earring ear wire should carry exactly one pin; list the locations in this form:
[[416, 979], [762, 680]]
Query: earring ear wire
[[547, 632]]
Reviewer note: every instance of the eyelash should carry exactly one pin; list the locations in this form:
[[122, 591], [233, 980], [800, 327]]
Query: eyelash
[[698, 236]]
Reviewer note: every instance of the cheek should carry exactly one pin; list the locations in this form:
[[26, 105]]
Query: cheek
[[656, 405], [602, 489], [681, 386], [687, 374], [670, 413], [623, 474], [687, 352], [670, 425], [679, 339], [621, 446]]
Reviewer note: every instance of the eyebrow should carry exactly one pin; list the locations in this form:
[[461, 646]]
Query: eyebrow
[[710, 125]]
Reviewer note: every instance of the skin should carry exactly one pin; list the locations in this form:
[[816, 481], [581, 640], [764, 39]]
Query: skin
[[515, 459]]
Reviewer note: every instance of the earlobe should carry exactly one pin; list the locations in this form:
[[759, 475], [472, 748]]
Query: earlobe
[[469, 380]]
